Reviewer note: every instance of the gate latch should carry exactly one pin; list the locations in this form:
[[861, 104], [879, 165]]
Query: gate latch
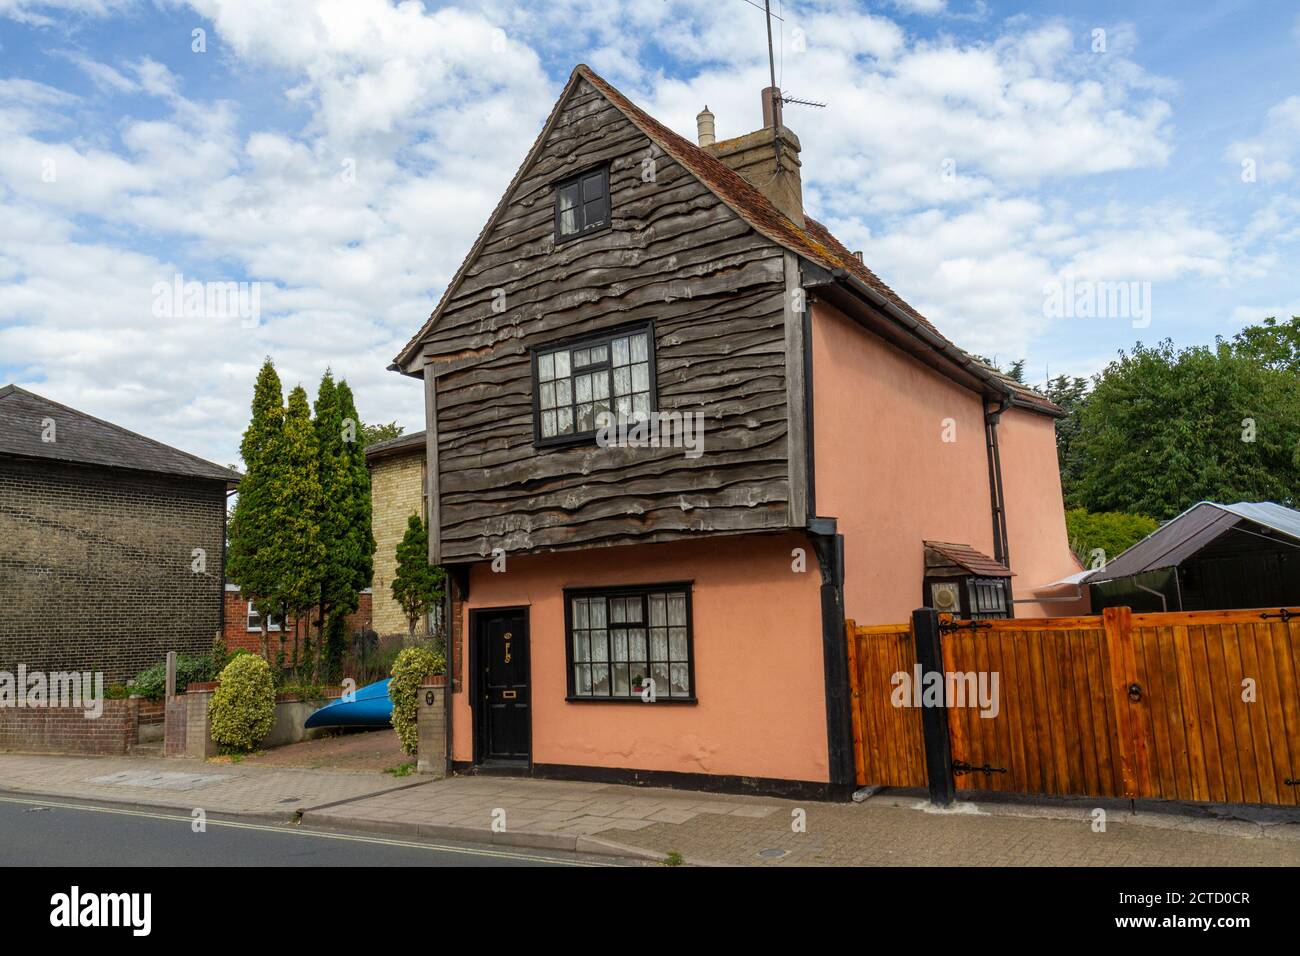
[[960, 767], [1284, 613], [962, 625]]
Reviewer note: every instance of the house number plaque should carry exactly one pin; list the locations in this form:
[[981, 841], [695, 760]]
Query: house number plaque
[[508, 637]]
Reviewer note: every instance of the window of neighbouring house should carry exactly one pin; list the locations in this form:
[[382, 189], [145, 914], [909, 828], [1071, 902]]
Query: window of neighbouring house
[[582, 204], [988, 598], [575, 383], [274, 622], [620, 637]]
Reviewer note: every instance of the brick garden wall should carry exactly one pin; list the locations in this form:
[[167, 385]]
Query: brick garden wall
[[68, 730], [95, 567]]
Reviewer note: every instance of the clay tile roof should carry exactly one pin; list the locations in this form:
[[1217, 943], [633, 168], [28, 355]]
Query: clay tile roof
[[967, 557], [813, 241], [84, 439]]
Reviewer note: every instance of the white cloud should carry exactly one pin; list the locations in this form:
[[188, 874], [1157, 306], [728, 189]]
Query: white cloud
[[1272, 152], [415, 121]]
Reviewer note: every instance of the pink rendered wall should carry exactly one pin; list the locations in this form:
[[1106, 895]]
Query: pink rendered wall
[[884, 470], [758, 660], [1036, 538]]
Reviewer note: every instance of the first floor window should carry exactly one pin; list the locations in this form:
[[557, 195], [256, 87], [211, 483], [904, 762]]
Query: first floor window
[[577, 383], [274, 622], [621, 638]]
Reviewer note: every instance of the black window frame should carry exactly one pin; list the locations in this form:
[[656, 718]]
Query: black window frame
[[578, 179], [966, 595], [605, 337], [622, 591]]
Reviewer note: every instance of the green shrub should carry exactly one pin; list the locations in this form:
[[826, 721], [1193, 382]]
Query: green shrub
[[243, 707], [411, 666], [152, 681], [1112, 531]]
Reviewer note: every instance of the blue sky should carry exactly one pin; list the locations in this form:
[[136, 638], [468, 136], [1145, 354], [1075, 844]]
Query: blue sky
[[343, 155]]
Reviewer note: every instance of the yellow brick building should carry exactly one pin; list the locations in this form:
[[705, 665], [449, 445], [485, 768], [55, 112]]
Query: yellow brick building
[[397, 491]]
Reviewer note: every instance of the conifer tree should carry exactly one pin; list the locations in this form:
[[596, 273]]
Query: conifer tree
[[250, 562], [296, 539], [417, 585]]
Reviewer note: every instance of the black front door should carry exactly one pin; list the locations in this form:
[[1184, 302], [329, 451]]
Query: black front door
[[503, 726]]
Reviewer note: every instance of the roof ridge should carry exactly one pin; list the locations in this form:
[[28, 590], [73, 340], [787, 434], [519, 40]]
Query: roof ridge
[[816, 244], [12, 389]]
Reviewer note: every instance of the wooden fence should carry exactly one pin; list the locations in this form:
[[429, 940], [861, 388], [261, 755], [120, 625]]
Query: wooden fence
[[1181, 706]]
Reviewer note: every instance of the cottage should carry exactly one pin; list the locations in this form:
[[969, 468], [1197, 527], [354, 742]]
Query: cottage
[[632, 611], [111, 544]]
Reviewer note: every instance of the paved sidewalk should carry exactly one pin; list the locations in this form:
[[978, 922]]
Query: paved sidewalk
[[757, 831], [889, 829], [216, 787]]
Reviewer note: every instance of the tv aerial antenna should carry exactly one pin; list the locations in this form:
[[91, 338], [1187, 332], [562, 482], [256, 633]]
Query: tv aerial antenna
[[778, 98]]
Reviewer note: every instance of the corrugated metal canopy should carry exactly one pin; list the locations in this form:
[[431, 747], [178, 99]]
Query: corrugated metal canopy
[[1180, 538]]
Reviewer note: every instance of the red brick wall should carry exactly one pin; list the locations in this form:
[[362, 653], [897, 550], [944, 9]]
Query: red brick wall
[[68, 730], [238, 635]]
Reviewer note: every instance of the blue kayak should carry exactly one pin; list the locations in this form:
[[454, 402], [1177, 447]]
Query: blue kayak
[[369, 707]]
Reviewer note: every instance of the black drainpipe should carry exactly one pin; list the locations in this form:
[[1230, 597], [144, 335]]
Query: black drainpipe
[[991, 418], [829, 547]]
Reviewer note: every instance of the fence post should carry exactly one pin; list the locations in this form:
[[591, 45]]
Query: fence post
[[171, 676], [934, 720]]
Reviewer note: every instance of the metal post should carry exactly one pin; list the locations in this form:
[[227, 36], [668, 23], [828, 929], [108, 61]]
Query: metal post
[[934, 719]]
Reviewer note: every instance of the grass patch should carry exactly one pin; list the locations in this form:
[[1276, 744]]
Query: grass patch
[[401, 770], [673, 859]]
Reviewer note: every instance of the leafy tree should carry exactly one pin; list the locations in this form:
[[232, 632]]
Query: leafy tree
[[1163, 429], [1070, 394], [1111, 531], [251, 562], [417, 585], [373, 433], [1276, 346]]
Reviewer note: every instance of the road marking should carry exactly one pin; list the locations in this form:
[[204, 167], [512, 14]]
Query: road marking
[[321, 834]]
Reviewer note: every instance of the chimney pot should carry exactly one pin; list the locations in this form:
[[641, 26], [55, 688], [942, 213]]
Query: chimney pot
[[772, 107], [704, 127]]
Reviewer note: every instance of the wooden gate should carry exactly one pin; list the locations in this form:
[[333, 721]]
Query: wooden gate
[[1180, 706]]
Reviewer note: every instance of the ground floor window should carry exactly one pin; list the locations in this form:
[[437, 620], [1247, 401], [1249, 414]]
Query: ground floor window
[[620, 637], [274, 622]]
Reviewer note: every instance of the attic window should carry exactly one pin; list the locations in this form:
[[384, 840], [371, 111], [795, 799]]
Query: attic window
[[582, 204]]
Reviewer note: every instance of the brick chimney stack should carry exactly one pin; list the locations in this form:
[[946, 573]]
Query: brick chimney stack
[[754, 156]]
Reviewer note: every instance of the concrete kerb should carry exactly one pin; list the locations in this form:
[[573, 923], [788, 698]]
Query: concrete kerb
[[271, 816], [535, 840], [311, 816]]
